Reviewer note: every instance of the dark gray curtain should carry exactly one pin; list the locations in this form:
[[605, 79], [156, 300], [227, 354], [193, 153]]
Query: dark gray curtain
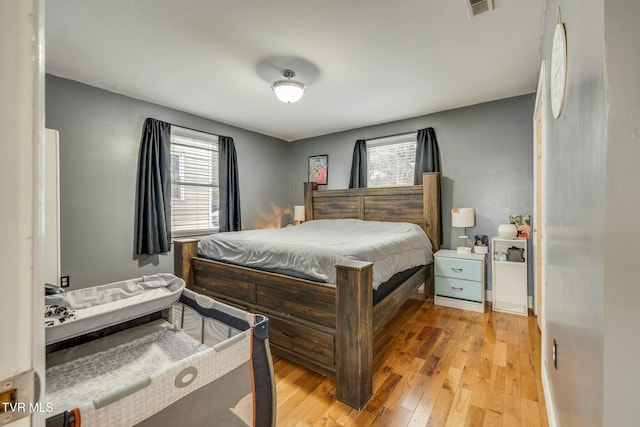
[[427, 154], [229, 188], [358, 177], [427, 160], [153, 233]]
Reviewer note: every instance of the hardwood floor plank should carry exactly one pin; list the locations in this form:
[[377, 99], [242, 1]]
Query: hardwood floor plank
[[375, 407], [312, 407], [496, 389], [459, 408], [338, 414], [484, 368], [475, 417], [410, 387], [429, 336], [441, 409], [526, 363], [434, 366], [488, 350], [512, 396], [401, 417], [530, 414], [427, 401], [294, 389], [528, 387], [453, 379], [468, 377], [500, 354], [492, 419], [480, 393], [510, 420]]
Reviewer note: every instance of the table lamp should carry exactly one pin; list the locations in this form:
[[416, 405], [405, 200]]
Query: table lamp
[[298, 214], [463, 218]]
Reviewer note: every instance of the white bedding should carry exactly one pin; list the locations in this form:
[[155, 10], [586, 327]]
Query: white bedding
[[315, 247]]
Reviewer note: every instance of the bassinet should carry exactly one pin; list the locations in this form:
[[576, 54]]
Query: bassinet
[[147, 352]]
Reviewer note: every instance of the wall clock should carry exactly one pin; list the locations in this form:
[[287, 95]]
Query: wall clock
[[558, 68]]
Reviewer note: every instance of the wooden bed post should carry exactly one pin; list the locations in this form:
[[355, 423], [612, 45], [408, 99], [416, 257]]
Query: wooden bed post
[[354, 333], [183, 252], [431, 192], [309, 187]]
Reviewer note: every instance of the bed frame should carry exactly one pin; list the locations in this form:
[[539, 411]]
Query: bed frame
[[326, 328]]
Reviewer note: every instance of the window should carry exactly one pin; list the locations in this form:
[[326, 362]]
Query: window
[[391, 161], [194, 182]]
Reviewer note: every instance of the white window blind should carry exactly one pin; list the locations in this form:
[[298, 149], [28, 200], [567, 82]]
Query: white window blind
[[391, 161], [194, 182]]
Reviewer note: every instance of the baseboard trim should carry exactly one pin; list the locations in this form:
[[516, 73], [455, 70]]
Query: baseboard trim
[[489, 298]]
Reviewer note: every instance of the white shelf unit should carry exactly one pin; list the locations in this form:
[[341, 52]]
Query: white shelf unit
[[509, 278]]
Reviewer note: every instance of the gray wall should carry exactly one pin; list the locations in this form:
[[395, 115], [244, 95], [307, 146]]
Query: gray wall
[[99, 141], [592, 194], [486, 154], [622, 269], [574, 223]]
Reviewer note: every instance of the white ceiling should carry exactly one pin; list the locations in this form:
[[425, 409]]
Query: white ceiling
[[365, 62]]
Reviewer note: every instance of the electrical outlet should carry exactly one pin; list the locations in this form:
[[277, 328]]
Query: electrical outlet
[[554, 354], [64, 281]]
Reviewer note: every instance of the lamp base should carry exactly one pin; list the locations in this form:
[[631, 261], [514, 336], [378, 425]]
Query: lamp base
[[463, 250]]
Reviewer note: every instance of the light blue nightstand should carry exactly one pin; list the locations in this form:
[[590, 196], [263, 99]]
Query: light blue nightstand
[[460, 280]]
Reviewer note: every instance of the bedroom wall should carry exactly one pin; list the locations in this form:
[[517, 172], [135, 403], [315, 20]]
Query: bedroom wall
[[99, 142], [592, 193], [574, 224], [486, 156], [622, 270]]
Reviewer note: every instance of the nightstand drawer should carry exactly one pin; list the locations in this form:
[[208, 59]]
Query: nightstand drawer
[[458, 268], [457, 288]]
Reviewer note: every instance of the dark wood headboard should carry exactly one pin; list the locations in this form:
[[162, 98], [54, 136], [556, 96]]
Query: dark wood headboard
[[418, 204]]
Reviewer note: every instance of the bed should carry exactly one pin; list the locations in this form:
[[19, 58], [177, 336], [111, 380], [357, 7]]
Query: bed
[[147, 352], [327, 327]]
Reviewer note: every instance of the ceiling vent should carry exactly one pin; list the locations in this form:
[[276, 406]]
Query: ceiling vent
[[476, 7]]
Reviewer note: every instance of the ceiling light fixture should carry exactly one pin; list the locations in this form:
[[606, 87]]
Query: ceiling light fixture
[[288, 90]]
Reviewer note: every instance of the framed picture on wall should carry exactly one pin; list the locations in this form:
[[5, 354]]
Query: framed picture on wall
[[522, 223], [319, 169]]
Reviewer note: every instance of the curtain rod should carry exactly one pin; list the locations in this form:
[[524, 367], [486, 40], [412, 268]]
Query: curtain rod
[[195, 130], [192, 129], [391, 136]]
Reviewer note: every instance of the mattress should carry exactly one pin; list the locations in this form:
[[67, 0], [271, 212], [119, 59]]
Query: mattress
[[314, 248], [142, 352]]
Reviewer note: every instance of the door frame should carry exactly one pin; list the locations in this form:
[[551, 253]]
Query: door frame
[[22, 120], [540, 116]]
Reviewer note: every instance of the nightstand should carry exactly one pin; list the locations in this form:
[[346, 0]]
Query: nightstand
[[460, 280]]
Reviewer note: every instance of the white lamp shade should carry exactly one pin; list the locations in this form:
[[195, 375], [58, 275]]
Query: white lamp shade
[[463, 217], [298, 213], [288, 91]]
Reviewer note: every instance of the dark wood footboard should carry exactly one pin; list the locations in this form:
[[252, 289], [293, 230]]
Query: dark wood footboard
[[326, 328]]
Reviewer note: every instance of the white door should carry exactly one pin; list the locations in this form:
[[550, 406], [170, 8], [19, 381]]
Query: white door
[[21, 121]]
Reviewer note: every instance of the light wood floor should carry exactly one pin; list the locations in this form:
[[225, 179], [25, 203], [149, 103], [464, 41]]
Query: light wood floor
[[435, 366]]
